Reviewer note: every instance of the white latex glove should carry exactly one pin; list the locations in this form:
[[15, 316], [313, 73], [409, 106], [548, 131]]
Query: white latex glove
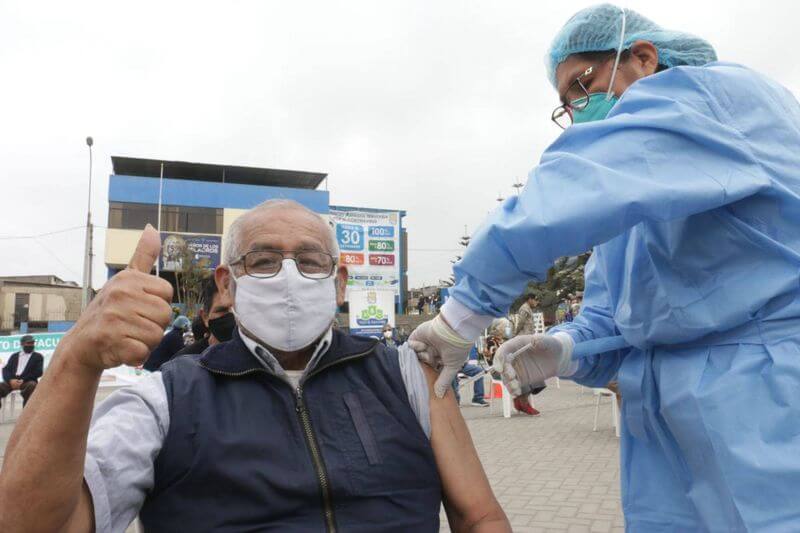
[[437, 345], [526, 361]]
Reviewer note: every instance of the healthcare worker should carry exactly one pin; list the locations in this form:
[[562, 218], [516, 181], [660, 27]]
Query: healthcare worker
[[683, 175]]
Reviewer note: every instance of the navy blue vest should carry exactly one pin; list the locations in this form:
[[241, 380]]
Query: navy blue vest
[[246, 452]]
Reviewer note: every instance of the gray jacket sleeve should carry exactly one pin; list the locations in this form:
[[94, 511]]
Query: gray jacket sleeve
[[416, 386], [126, 434]]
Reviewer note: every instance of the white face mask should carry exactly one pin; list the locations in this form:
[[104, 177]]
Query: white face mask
[[287, 312]]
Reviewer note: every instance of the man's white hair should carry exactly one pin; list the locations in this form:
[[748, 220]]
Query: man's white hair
[[233, 240]]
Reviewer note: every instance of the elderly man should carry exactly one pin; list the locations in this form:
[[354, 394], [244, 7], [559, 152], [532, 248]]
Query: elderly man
[[290, 426]]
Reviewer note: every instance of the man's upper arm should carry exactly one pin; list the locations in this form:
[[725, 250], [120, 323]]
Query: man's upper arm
[[468, 497], [82, 519], [126, 435]]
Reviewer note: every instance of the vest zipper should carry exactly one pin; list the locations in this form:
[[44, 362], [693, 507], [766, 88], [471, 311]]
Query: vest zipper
[[311, 440], [308, 431], [233, 374], [316, 458]]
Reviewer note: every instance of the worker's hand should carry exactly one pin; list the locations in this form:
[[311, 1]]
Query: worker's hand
[[127, 319], [15, 384], [437, 345], [526, 361]]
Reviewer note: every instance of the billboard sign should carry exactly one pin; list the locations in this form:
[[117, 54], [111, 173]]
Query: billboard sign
[[203, 249], [370, 311], [369, 243]]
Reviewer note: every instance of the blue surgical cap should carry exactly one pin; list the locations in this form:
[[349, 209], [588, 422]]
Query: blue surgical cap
[[598, 28]]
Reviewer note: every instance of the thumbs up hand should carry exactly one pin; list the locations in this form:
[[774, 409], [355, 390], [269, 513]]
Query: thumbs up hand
[[127, 319]]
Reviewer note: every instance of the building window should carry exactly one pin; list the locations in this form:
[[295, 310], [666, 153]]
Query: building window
[[21, 305], [173, 217]]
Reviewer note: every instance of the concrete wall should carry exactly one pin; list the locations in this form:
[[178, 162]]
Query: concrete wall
[[45, 303], [120, 244]]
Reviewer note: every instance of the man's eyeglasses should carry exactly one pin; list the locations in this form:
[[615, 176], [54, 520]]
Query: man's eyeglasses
[[577, 98], [268, 263]]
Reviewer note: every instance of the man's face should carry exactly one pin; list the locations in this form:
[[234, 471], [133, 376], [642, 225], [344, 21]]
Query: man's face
[[219, 306], [532, 302], [28, 346], [286, 229]]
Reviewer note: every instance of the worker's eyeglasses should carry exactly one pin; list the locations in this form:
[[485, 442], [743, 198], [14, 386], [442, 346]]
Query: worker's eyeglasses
[[577, 97], [268, 263]]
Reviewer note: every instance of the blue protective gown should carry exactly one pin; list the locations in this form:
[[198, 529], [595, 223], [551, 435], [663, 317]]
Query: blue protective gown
[[689, 194]]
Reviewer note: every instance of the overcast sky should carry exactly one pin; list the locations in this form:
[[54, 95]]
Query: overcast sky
[[434, 107]]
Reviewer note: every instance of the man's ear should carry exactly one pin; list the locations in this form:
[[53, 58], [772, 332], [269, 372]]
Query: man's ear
[[341, 284], [223, 278]]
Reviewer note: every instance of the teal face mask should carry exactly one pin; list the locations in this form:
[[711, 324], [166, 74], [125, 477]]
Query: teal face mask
[[597, 108]]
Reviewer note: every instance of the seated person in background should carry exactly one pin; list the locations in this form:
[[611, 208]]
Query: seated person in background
[[23, 370], [471, 370], [290, 426], [216, 318], [170, 344], [499, 334]]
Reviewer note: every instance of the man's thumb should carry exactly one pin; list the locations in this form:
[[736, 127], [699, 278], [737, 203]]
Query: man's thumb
[[444, 381], [146, 251]]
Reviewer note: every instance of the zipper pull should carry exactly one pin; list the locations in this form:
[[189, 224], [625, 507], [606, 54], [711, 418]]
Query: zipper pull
[[298, 396]]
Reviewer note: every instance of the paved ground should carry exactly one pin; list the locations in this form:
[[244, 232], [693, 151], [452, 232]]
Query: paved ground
[[551, 473]]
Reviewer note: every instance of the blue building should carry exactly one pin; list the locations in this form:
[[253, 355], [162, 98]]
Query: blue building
[[199, 202]]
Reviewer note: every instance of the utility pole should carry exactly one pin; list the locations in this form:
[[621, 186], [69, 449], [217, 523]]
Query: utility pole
[[160, 194], [86, 295]]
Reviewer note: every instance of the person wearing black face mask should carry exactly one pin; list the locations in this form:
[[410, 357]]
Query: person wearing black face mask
[[217, 317], [23, 370]]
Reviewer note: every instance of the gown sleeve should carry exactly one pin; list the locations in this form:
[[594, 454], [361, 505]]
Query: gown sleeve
[[594, 321], [666, 151]]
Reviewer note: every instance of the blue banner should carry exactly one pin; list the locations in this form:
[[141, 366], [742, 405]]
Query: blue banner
[[350, 236]]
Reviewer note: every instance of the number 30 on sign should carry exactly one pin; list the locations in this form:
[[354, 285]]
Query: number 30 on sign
[[350, 236]]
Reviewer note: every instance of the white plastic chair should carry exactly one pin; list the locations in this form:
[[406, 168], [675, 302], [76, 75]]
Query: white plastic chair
[[599, 393], [9, 405], [505, 396], [508, 405]]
